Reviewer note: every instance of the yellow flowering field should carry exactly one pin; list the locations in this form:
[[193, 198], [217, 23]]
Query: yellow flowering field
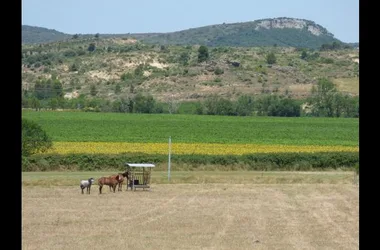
[[188, 148]]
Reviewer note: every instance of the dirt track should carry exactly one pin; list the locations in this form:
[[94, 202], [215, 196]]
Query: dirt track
[[193, 216]]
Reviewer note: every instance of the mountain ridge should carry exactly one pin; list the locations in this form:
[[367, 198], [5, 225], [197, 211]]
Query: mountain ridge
[[281, 31]]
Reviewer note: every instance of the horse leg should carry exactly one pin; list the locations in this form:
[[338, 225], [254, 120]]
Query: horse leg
[[100, 189]]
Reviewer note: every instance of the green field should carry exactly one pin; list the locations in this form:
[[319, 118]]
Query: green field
[[156, 128]]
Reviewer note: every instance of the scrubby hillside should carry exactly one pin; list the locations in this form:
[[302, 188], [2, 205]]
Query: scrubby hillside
[[113, 68]]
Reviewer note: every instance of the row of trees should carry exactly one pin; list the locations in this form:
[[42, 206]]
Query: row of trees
[[48, 88], [138, 103], [266, 105], [325, 101]]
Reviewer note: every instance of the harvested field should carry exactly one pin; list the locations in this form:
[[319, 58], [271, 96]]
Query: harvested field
[[193, 216]]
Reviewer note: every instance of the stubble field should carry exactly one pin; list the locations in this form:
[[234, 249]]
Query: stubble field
[[320, 212]]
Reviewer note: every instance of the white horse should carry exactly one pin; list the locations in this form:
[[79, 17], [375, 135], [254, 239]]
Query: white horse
[[86, 184]]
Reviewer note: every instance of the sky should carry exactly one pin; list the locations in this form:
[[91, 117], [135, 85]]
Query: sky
[[339, 17]]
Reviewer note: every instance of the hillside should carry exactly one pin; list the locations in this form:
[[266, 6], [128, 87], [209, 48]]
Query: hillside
[[285, 32], [117, 68], [32, 34]]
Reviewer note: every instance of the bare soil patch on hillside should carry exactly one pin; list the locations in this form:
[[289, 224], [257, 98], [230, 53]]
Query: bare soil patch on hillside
[[193, 216], [348, 85], [123, 40]]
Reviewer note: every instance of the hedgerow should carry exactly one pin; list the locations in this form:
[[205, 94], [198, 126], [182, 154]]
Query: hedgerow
[[261, 161]]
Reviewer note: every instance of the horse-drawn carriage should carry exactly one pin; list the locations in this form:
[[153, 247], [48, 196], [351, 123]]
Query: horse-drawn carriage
[[140, 175]]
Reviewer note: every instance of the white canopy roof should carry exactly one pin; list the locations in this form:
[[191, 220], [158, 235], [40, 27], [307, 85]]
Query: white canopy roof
[[140, 165]]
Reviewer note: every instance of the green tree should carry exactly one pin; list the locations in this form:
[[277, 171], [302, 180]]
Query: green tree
[[34, 103], [53, 103], [218, 71], [263, 103], [216, 105], [244, 105], [304, 55], [74, 67], [184, 58], [91, 47], [48, 88], [352, 109], [338, 103], [199, 108], [69, 53], [93, 90], [139, 70], [285, 107], [278, 105], [117, 88], [144, 104], [271, 58], [344, 105], [121, 105], [203, 54], [34, 138], [322, 98]]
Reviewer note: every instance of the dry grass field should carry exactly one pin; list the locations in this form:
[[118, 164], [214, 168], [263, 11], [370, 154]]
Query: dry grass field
[[320, 212]]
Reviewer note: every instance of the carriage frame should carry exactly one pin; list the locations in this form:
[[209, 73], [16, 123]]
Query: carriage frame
[[140, 175]]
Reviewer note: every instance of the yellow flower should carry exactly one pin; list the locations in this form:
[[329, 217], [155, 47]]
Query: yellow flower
[[188, 148]]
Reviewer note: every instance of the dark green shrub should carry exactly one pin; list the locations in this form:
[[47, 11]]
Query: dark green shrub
[[91, 47], [218, 71], [69, 53], [34, 138], [203, 54], [271, 58], [326, 60]]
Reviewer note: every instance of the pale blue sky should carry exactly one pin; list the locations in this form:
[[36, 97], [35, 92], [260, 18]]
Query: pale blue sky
[[340, 17]]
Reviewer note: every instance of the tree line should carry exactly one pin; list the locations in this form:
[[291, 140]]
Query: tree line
[[324, 101]]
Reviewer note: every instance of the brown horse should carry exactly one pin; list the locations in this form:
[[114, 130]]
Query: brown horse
[[120, 180], [111, 181], [126, 175]]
